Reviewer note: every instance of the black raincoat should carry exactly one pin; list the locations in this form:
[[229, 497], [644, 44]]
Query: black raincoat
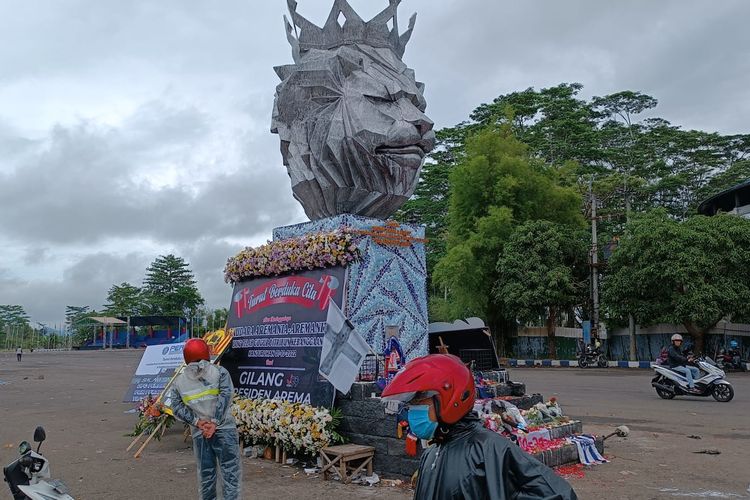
[[474, 463]]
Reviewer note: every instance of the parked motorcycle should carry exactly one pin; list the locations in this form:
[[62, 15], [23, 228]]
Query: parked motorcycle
[[669, 383], [730, 360], [591, 356], [29, 476]]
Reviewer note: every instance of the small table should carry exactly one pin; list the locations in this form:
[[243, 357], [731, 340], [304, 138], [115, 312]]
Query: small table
[[343, 459]]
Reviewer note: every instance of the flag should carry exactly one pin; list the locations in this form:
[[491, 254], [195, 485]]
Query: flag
[[343, 352]]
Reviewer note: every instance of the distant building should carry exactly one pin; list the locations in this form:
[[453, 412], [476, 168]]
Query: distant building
[[735, 200]]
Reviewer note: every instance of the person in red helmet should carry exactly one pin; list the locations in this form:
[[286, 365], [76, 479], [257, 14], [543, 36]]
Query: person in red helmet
[[465, 461], [202, 397]]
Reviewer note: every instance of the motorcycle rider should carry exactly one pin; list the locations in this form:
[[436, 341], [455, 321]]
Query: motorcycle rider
[[202, 397], [734, 354], [466, 460], [679, 363]]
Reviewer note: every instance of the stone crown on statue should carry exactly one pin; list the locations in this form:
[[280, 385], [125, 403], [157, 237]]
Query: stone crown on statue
[[345, 27]]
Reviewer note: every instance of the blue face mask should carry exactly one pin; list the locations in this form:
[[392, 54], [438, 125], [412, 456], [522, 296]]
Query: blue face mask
[[420, 423]]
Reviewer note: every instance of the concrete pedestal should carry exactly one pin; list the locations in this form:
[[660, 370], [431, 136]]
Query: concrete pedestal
[[388, 286]]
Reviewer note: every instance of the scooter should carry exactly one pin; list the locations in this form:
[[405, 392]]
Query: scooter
[[669, 383], [29, 476]]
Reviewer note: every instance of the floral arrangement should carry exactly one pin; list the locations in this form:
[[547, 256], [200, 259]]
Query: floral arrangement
[[540, 445], [311, 251], [296, 427], [152, 413], [543, 414]]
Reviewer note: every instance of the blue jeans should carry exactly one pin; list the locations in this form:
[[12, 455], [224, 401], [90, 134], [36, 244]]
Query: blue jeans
[[222, 449], [690, 372]]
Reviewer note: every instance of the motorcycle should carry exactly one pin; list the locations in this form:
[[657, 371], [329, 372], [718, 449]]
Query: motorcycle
[[28, 476], [668, 383], [592, 356], [730, 360]]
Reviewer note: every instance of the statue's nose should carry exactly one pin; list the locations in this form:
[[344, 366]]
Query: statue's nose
[[404, 133]]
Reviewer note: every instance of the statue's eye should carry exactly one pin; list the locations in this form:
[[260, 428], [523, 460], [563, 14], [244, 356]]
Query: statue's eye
[[379, 99], [326, 99]]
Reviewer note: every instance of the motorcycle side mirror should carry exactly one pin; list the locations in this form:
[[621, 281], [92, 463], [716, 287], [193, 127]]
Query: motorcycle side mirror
[[39, 437], [39, 434]]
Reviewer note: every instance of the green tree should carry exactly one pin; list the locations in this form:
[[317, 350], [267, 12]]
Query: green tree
[[556, 124], [543, 271], [13, 315], [78, 328], [217, 318], [495, 188], [429, 205], [124, 300], [693, 273], [14, 325], [169, 287], [737, 173]]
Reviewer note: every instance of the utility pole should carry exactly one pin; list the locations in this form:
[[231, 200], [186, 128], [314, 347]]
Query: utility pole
[[631, 318], [594, 265]]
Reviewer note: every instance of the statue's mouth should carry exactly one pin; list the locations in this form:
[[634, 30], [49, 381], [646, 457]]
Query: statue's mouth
[[407, 156], [400, 150]]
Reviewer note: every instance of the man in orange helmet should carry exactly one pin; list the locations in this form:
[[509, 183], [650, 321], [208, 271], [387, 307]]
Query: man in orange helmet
[[202, 397], [466, 460]]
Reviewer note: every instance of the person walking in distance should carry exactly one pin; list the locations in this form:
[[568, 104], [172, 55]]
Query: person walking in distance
[[19, 353], [202, 397]]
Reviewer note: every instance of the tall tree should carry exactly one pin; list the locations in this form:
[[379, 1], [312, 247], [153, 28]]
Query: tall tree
[[14, 323], [13, 315], [737, 173], [692, 273], [217, 318], [543, 271], [495, 188], [170, 288], [74, 316], [124, 300], [429, 205], [556, 124]]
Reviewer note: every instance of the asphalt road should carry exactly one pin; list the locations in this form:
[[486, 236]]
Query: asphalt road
[[658, 459], [76, 397]]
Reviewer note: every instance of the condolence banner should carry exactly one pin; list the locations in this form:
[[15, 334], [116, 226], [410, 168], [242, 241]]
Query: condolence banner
[[154, 371], [278, 325]]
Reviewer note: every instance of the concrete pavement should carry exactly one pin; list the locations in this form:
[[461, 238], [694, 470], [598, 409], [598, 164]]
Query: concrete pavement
[[76, 396], [658, 460]]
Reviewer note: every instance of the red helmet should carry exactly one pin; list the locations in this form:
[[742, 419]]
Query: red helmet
[[443, 374], [196, 350]]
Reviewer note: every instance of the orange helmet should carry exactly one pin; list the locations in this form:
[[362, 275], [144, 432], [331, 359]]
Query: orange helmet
[[443, 375], [196, 350]]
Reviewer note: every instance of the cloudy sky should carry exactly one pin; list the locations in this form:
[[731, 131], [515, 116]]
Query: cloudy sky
[[130, 129]]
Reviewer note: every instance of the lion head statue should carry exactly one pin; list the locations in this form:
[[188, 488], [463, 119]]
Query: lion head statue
[[350, 114]]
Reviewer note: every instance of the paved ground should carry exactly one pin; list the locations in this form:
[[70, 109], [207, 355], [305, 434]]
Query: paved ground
[[76, 397], [658, 460]]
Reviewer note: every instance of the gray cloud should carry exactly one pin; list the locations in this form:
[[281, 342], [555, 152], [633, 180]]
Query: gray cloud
[[84, 283], [79, 185], [133, 129]]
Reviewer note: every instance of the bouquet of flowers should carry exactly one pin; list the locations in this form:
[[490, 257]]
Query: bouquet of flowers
[[311, 251], [152, 413], [296, 427], [545, 415]]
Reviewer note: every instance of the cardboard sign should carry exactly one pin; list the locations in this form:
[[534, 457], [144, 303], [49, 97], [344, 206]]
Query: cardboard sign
[[278, 326], [155, 370], [218, 342]]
